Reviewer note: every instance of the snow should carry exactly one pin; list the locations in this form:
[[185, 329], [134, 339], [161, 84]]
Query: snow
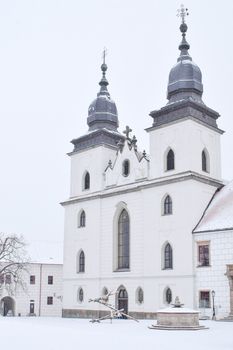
[[178, 310], [219, 214], [59, 334]]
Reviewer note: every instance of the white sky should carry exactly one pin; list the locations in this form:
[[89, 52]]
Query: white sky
[[50, 57]]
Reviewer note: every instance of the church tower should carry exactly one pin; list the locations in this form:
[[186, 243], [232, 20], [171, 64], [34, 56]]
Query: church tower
[[185, 129]]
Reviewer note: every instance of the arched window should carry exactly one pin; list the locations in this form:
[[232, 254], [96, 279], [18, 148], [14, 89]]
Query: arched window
[[86, 181], [168, 256], [139, 295], [82, 219], [170, 160], [123, 240], [168, 296], [167, 205], [205, 160], [81, 262], [125, 167], [80, 295]]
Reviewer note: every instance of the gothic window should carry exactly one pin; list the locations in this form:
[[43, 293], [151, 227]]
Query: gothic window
[[123, 240], [204, 299], [82, 219], [80, 295], [168, 296], [139, 296], [168, 264], [126, 167], [167, 205], [170, 160], [205, 161], [203, 254], [81, 262], [86, 181]]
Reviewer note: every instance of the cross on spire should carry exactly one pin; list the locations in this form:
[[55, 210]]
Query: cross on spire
[[182, 13], [127, 131], [105, 52]]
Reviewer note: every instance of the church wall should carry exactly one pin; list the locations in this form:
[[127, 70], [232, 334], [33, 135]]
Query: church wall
[[187, 139], [214, 277], [149, 230]]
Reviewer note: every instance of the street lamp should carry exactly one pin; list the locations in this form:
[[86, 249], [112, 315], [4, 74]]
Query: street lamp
[[213, 295]]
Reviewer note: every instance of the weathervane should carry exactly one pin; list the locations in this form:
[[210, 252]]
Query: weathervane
[[182, 13]]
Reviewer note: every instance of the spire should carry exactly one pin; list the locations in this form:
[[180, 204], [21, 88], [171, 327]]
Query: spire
[[184, 45], [102, 112], [185, 78], [104, 82]]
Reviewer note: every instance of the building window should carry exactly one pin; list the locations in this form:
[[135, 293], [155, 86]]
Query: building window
[[168, 296], [8, 279], [80, 295], [126, 167], [50, 279], [49, 300], [170, 160], [203, 254], [167, 205], [205, 161], [82, 219], [32, 279], [139, 296], [168, 263], [86, 181], [81, 261], [123, 240], [204, 299], [1, 279]]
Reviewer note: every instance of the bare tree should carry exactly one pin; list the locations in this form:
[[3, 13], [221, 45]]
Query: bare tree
[[13, 262]]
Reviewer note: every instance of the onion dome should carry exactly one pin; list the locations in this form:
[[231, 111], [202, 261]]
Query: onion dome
[[102, 112], [185, 78]]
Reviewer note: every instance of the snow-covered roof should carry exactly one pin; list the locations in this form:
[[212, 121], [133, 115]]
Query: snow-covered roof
[[219, 213], [45, 252]]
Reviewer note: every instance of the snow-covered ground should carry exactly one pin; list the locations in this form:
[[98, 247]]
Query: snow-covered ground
[[73, 334]]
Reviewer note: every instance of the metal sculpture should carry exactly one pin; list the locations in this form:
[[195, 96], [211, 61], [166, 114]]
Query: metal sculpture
[[114, 312]]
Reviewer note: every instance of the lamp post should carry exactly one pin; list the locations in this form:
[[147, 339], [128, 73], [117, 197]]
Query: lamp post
[[213, 295]]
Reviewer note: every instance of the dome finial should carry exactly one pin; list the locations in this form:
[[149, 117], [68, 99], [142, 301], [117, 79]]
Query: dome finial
[[103, 82], [184, 46]]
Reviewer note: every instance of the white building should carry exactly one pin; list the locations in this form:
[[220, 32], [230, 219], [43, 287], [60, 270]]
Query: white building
[[42, 294], [130, 216], [213, 255]]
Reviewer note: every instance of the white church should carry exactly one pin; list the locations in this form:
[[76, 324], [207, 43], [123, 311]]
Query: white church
[[150, 226]]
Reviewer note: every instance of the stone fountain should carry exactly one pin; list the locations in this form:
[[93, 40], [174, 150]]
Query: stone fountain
[[177, 318]]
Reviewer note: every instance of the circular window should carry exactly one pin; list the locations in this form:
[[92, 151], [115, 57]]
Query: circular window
[[80, 295], [125, 167]]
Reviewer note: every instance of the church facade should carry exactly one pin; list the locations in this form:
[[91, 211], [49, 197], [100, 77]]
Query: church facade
[[130, 216]]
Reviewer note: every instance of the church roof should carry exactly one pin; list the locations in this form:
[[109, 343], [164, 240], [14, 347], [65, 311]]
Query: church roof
[[218, 216]]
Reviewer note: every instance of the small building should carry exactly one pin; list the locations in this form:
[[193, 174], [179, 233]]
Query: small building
[[42, 294], [213, 256]]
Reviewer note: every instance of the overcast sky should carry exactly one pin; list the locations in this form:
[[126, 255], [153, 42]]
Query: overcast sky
[[50, 57]]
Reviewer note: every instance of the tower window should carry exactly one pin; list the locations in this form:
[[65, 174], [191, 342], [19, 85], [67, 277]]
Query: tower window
[[170, 160], [205, 161], [126, 167], [167, 205], [86, 181], [123, 240]]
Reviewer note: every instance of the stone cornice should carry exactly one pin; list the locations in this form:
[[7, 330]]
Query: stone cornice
[[114, 191]]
